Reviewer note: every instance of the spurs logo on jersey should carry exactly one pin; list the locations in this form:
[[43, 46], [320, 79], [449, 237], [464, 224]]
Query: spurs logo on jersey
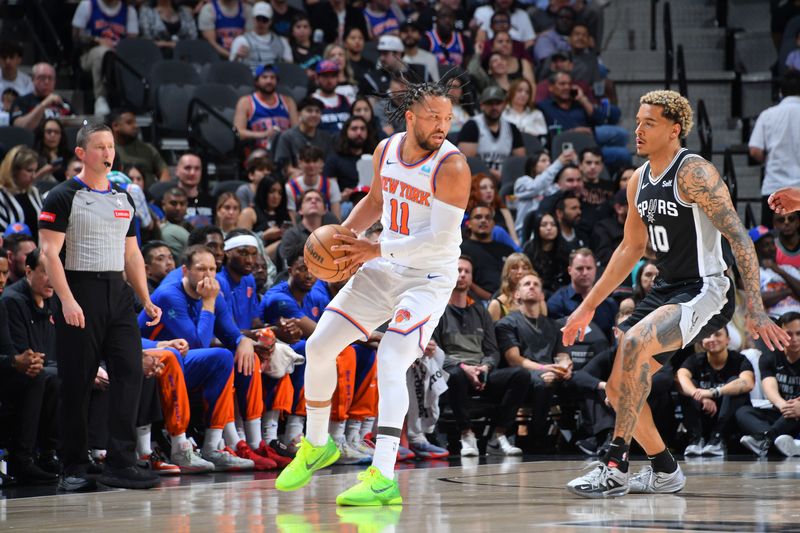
[[686, 243], [407, 198]]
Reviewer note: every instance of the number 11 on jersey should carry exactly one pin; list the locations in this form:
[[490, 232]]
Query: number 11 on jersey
[[400, 226]]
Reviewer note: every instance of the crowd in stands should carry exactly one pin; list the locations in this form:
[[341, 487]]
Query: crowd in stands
[[227, 263]]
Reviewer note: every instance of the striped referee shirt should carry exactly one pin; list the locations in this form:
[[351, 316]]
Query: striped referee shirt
[[96, 224]]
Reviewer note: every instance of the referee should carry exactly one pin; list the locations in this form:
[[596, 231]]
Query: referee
[[87, 240]]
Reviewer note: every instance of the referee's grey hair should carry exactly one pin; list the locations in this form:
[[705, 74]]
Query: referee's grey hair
[[87, 131]]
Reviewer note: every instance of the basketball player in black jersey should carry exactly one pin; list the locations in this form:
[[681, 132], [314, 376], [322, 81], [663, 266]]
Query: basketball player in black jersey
[[683, 209]]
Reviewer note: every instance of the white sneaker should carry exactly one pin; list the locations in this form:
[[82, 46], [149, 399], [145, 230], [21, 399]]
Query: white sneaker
[[227, 461], [101, 107], [648, 481], [499, 445], [189, 461], [695, 448], [469, 446], [787, 446], [589, 477], [350, 455]]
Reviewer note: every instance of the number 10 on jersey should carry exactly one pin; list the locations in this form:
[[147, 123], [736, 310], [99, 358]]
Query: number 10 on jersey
[[658, 238], [399, 216]]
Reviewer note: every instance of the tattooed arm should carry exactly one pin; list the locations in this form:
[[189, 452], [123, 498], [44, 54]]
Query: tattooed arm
[[700, 183]]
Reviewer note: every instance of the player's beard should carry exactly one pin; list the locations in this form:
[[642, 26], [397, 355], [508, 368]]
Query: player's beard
[[425, 142]]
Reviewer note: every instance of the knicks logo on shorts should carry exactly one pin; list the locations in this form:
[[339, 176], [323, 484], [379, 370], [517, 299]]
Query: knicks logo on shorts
[[402, 315]]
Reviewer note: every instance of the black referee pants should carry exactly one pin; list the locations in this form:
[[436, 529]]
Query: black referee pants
[[111, 334]]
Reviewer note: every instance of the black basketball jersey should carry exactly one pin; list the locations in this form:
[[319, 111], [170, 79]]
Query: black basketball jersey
[[687, 244]]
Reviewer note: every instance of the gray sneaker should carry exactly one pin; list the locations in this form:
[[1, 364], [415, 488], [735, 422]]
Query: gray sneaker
[[605, 482], [648, 481], [589, 477], [695, 448], [759, 445], [787, 446], [226, 461], [189, 461], [715, 448]]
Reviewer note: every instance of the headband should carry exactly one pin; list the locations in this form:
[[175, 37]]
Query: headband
[[240, 240]]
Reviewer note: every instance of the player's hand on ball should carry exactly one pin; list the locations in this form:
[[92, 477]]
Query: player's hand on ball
[[785, 200], [760, 325], [358, 250]]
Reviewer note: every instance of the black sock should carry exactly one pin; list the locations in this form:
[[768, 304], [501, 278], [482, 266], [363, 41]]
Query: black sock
[[617, 456], [663, 462]]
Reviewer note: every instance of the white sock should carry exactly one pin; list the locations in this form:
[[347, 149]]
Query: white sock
[[336, 429], [294, 427], [211, 440], [177, 441], [317, 430], [143, 441], [239, 426], [269, 425], [252, 431], [366, 426], [230, 434], [385, 454], [354, 431]]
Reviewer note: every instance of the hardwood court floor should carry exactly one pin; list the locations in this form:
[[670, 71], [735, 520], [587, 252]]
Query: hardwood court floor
[[512, 495]]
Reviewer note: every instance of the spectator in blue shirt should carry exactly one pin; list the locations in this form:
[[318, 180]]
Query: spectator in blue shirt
[[582, 271], [236, 281], [568, 108], [195, 310]]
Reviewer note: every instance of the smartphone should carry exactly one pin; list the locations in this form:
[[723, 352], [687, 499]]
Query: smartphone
[[567, 146], [57, 162], [286, 224]]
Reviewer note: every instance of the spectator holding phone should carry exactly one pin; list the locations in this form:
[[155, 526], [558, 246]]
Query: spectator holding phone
[[50, 142], [570, 109]]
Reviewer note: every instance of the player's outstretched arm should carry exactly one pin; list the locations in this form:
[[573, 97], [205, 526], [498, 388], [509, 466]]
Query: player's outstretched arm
[[624, 258], [700, 183], [786, 200]]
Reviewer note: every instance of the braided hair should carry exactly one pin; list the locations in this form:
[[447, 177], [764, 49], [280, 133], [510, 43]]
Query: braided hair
[[398, 102]]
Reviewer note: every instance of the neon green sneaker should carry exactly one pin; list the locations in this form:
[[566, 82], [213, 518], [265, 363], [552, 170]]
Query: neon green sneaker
[[374, 489], [309, 459], [370, 519]]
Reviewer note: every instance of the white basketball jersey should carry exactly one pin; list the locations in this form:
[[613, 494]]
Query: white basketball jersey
[[407, 199]]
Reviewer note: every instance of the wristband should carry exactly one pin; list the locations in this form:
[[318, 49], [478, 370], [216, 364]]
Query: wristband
[[716, 392]]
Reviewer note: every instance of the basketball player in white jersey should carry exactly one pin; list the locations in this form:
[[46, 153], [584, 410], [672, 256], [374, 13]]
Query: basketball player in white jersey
[[683, 208], [419, 193]]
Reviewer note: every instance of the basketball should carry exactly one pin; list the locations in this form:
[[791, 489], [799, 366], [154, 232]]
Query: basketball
[[320, 259]]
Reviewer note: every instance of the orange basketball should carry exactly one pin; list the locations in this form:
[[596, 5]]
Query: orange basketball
[[320, 259]]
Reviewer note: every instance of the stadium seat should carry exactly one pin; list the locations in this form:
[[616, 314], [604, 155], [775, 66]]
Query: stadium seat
[[513, 167], [235, 75], [211, 128], [11, 136], [532, 143], [578, 139], [195, 51], [226, 186], [292, 75], [477, 165], [133, 60]]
